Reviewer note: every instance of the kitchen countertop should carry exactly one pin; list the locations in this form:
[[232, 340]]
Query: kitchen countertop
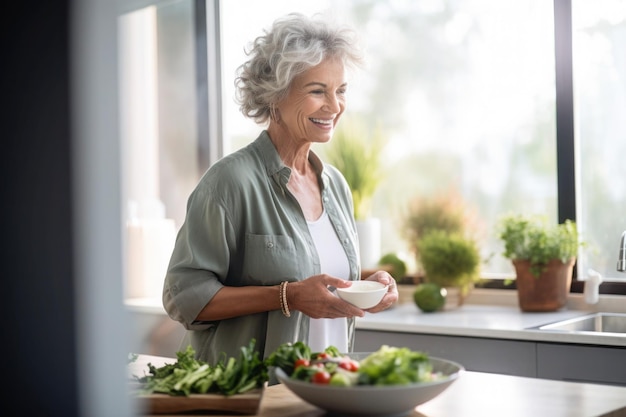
[[495, 322], [494, 314], [474, 394], [486, 314]]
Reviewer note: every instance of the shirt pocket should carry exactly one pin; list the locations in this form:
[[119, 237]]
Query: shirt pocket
[[270, 259]]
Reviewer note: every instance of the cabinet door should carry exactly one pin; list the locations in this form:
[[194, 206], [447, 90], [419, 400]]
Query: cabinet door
[[508, 357], [582, 363]]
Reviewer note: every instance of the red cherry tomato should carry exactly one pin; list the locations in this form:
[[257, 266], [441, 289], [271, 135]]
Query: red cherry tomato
[[321, 377], [301, 362], [322, 355], [349, 364]]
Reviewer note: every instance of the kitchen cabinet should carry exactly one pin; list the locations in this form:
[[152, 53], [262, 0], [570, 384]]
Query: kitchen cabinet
[[508, 357], [560, 361], [581, 363]]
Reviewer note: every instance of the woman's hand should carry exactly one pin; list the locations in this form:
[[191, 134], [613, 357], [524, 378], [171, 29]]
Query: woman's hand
[[314, 298], [392, 291]]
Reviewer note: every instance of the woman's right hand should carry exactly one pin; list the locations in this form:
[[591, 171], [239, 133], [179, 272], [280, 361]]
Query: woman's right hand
[[314, 298]]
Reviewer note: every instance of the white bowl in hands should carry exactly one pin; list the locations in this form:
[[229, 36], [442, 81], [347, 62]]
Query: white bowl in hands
[[363, 294]]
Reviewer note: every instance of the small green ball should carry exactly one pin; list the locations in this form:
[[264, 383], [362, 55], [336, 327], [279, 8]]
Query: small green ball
[[398, 266], [429, 297]]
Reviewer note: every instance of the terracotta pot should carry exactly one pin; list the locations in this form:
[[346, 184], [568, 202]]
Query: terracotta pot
[[549, 291]]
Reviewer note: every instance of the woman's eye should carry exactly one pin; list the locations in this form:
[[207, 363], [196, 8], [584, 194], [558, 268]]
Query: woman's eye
[[317, 92]]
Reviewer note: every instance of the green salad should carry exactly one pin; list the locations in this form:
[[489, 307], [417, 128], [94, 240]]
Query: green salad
[[387, 366]]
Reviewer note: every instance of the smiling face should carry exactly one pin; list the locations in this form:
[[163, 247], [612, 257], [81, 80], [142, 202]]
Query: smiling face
[[314, 103]]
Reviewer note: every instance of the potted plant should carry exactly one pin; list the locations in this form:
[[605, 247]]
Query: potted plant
[[446, 212], [543, 256], [356, 152], [451, 261]]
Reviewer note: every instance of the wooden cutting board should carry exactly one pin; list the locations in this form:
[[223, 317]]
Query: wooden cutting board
[[247, 403]]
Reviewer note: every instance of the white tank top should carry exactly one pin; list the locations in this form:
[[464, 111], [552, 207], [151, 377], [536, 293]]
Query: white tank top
[[334, 262]]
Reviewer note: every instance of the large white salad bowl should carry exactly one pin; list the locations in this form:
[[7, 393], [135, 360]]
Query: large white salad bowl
[[374, 401]]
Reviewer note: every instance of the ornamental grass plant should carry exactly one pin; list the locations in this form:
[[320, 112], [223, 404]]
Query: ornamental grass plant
[[357, 153]]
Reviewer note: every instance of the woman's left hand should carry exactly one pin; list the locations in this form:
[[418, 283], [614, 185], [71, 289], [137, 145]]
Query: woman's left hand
[[392, 291]]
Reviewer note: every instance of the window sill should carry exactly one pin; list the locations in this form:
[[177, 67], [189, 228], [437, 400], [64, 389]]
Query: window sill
[[609, 303], [606, 288]]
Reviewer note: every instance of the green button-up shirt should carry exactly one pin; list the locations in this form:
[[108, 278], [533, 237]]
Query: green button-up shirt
[[243, 227]]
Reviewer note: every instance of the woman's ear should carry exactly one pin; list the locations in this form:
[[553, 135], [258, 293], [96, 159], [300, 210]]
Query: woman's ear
[[274, 113]]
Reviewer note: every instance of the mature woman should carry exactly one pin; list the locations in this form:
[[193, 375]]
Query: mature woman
[[269, 229]]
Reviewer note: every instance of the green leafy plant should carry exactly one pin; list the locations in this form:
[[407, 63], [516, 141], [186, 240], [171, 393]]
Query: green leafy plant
[[449, 259], [357, 154], [444, 212], [533, 239]]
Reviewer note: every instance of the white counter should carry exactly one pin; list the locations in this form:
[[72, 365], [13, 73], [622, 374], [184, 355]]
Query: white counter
[[487, 321], [487, 313]]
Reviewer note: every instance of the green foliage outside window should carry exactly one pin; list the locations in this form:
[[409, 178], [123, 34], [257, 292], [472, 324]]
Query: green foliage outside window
[[356, 152]]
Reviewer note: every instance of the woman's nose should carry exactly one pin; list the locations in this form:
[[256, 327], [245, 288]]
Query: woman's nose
[[333, 103]]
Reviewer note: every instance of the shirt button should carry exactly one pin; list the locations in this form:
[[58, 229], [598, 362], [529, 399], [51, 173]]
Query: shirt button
[[325, 199], [270, 245]]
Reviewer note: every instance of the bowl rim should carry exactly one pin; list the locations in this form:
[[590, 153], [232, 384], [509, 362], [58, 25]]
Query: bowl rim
[[357, 290]]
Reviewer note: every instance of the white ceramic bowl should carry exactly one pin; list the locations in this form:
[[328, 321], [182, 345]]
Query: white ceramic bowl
[[374, 401], [363, 294]]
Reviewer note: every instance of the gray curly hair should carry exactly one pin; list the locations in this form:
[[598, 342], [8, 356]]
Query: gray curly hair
[[294, 44]]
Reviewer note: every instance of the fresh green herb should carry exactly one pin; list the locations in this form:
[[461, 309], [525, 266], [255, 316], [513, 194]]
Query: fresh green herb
[[192, 376], [534, 239]]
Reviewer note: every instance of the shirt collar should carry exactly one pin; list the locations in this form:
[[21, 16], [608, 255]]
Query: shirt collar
[[274, 165]]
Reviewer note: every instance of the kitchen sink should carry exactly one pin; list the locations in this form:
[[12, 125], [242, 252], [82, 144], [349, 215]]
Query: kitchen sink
[[606, 323]]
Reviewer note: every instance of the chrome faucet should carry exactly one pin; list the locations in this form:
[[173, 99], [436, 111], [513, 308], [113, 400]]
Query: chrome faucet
[[621, 261]]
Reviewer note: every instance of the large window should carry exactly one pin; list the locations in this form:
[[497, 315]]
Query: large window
[[466, 95]]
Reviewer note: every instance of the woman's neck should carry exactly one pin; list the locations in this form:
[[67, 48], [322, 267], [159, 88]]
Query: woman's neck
[[293, 152]]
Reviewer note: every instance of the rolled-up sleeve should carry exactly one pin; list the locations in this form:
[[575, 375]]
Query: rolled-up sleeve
[[200, 260]]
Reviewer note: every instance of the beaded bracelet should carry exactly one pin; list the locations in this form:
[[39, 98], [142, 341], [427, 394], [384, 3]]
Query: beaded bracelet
[[283, 299]]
